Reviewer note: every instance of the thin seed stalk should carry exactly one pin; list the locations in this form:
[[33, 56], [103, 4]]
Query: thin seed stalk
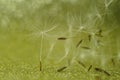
[[41, 51]]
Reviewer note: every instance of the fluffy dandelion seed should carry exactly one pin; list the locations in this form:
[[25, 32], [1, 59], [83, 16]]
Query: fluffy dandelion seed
[[61, 69], [42, 39]]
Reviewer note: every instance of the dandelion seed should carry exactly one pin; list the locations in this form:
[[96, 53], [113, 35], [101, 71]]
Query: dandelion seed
[[89, 36], [103, 71], [81, 64], [79, 43], [42, 39], [90, 68], [106, 73], [62, 38], [61, 69], [98, 69], [40, 66], [84, 47]]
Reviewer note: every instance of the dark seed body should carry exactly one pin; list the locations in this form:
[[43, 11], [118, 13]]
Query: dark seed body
[[85, 47], [62, 38], [40, 66], [90, 68], [98, 69], [79, 43], [103, 71], [61, 69], [107, 73], [81, 64], [89, 36]]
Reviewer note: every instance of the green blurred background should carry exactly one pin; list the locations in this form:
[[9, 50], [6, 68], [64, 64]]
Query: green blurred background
[[23, 21]]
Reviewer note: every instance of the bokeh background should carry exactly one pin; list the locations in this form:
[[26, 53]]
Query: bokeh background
[[29, 31]]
